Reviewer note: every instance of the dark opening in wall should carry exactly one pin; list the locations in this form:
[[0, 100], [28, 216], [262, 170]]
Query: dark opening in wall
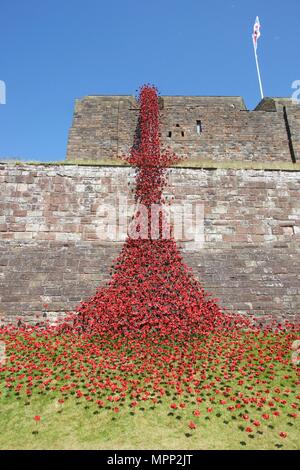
[[169, 134], [289, 135], [177, 125], [182, 134], [198, 126]]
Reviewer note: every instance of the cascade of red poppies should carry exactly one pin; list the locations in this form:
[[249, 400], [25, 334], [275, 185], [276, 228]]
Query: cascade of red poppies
[[151, 288]]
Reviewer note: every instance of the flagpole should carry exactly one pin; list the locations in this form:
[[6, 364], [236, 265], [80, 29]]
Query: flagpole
[[257, 67]]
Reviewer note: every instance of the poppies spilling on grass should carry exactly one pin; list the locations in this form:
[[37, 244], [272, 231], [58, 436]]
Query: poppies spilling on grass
[[154, 338]]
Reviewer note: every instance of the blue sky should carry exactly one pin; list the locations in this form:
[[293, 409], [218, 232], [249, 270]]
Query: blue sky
[[54, 51]]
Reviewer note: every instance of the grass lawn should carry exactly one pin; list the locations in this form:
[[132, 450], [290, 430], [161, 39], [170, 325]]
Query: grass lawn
[[79, 426], [145, 396]]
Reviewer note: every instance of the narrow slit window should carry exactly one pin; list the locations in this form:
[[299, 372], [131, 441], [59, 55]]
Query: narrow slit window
[[169, 134], [182, 133], [198, 126]]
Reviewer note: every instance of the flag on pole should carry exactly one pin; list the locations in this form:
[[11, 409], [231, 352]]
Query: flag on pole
[[256, 32], [255, 37]]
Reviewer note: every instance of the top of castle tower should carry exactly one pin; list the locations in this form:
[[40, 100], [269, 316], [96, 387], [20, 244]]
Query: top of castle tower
[[198, 127], [267, 104], [170, 101], [275, 104]]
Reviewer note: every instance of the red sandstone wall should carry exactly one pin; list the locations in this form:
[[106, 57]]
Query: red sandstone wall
[[50, 252]]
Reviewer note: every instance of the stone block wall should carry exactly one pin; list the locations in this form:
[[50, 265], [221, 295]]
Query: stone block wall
[[199, 128], [52, 253]]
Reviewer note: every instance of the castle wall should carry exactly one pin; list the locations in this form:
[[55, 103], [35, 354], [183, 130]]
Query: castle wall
[[51, 251], [103, 128]]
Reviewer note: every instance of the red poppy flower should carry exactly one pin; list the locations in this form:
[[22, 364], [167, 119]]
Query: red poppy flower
[[192, 425]]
